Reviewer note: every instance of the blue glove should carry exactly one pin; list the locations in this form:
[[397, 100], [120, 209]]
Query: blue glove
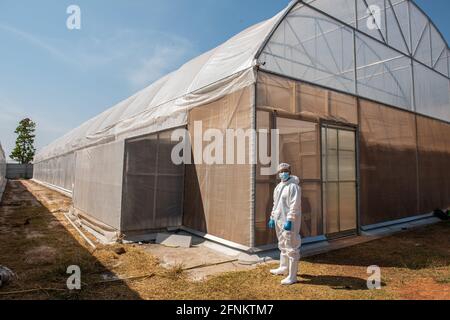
[[272, 224], [288, 226]]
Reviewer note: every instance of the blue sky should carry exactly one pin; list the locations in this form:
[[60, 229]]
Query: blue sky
[[61, 78]]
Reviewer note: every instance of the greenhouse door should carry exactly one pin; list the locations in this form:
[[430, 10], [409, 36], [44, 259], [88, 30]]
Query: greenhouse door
[[153, 184], [339, 182]]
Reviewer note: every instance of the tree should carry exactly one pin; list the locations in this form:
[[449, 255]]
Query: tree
[[24, 150]]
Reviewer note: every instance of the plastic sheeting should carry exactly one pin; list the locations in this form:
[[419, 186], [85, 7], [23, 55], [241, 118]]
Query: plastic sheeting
[[432, 93], [299, 144], [300, 147], [295, 97], [309, 45], [434, 160], [225, 69], [217, 197], [383, 74], [153, 185], [264, 186], [98, 183], [397, 23], [339, 179], [300, 43], [388, 168], [59, 171]]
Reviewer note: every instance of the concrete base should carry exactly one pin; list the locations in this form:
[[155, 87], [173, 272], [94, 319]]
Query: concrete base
[[65, 192], [204, 258], [173, 240], [389, 230]]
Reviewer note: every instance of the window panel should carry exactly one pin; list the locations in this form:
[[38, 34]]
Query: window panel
[[432, 93], [343, 10], [398, 35], [368, 22], [310, 46], [383, 74], [299, 146]]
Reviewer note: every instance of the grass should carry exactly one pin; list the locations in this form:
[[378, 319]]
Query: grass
[[38, 244]]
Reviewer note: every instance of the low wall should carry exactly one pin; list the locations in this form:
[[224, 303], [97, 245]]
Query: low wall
[[19, 171]]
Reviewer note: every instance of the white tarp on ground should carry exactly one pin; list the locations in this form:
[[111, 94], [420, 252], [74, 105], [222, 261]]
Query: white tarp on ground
[[164, 104], [2, 171]]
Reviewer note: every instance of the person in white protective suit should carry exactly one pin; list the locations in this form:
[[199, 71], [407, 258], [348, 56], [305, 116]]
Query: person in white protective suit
[[286, 220]]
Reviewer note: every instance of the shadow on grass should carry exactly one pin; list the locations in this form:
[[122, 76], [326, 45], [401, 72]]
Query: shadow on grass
[[423, 248], [39, 249], [336, 282]]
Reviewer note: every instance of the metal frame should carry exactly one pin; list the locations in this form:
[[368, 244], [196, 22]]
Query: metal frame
[[353, 95], [329, 125], [320, 125], [253, 175], [409, 2], [409, 98]]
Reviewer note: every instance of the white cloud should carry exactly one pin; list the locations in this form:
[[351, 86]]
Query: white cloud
[[162, 60], [38, 42], [140, 56]]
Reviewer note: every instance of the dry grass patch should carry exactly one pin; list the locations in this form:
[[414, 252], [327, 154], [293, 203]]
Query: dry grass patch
[[39, 244]]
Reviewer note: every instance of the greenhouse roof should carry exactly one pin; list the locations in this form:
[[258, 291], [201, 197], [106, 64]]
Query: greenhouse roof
[[384, 50]]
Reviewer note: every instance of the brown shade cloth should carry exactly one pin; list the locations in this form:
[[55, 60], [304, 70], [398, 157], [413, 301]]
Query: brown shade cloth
[[276, 92], [434, 164], [153, 184], [218, 197], [388, 164], [265, 185], [299, 98], [300, 147]]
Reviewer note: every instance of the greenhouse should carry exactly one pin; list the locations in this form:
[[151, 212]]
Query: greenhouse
[[358, 90]]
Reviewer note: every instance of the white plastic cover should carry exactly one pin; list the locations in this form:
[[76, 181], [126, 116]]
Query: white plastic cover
[[223, 70], [98, 180], [327, 42], [383, 74], [432, 93], [57, 171], [311, 46], [307, 45]]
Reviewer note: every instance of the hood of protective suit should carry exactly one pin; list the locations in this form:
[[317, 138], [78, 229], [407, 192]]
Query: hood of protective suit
[[293, 180]]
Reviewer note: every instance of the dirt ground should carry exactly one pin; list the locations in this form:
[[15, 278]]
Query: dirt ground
[[38, 244]]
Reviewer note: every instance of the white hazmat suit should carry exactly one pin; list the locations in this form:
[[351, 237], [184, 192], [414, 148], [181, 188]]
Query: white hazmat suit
[[287, 208]]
